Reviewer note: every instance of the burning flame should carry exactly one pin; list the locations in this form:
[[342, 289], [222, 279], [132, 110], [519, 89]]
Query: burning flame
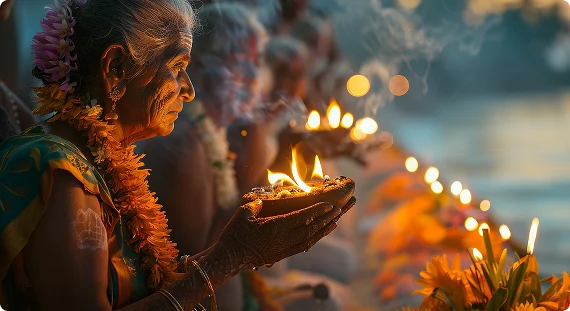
[[333, 114], [296, 176], [347, 120], [532, 236], [317, 170], [314, 121], [276, 177], [477, 254]]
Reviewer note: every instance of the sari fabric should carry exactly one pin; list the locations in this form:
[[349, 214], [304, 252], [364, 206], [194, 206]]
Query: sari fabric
[[27, 164]]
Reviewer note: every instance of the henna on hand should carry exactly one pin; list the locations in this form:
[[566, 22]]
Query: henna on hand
[[250, 241]]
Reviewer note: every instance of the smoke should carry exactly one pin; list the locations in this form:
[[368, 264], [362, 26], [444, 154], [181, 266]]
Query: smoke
[[381, 40]]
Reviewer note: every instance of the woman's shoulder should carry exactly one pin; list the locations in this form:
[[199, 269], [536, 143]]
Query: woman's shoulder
[[34, 155]]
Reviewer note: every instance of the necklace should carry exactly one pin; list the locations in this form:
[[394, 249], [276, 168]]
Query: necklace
[[122, 172], [215, 142]]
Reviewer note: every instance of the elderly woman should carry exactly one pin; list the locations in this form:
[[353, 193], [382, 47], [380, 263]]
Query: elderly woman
[[194, 162], [79, 228]]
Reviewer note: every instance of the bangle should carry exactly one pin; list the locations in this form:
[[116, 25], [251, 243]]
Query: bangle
[[171, 298], [184, 259], [210, 287]]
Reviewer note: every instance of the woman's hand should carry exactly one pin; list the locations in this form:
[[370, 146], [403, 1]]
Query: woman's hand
[[248, 241]]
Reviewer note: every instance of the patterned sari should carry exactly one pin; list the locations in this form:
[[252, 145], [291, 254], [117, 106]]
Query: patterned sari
[[27, 164]]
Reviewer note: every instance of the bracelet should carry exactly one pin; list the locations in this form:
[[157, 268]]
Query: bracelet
[[171, 298], [210, 287], [185, 260]]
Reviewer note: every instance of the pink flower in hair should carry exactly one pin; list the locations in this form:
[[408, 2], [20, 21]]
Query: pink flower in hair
[[52, 48]]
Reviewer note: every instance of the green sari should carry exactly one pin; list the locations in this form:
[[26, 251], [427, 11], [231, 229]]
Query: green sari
[[27, 164]]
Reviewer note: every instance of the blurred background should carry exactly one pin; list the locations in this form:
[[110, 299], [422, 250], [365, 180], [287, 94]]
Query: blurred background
[[479, 89]]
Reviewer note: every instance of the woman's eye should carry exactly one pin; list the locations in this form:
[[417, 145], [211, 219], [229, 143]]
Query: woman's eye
[[179, 67]]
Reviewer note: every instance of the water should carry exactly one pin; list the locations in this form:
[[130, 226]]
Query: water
[[511, 150]]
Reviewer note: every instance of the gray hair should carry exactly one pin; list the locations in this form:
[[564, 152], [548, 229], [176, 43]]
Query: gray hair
[[281, 51], [145, 28], [224, 27]]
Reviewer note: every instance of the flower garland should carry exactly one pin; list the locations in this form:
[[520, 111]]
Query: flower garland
[[227, 193], [121, 168], [218, 153]]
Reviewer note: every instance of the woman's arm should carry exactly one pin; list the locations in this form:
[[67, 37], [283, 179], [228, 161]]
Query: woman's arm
[[66, 257]]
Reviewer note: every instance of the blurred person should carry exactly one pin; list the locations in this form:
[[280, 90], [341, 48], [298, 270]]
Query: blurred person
[[79, 227]]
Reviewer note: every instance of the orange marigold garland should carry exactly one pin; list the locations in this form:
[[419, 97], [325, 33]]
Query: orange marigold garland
[[121, 168]]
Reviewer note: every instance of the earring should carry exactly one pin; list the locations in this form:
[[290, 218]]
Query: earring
[[115, 95]]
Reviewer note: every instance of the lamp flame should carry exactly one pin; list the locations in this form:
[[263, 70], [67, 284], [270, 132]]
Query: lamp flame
[[314, 121], [296, 176], [333, 114], [532, 236], [347, 120], [276, 177], [477, 254], [317, 170]]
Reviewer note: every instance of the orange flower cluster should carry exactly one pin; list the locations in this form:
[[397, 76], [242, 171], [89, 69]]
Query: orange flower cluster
[[121, 168]]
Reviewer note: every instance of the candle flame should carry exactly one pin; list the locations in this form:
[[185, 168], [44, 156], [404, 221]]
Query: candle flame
[[314, 121], [477, 254], [317, 170], [333, 114], [296, 176], [532, 236], [347, 120]]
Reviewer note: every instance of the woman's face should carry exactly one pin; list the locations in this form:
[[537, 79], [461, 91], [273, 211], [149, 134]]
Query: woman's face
[[153, 100], [292, 80]]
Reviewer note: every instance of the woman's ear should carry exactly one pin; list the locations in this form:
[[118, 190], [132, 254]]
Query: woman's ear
[[113, 67]]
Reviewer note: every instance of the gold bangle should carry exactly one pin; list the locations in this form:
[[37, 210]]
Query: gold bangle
[[210, 287], [171, 298]]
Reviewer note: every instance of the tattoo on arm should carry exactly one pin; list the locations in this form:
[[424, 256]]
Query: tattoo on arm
[[89, 230]]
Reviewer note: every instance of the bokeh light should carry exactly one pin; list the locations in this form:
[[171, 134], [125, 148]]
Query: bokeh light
[[505, 232], [243, 133], [412, 164], [347, 120], [485, 205], [399, 85], [367, 125], [356, 134], [432, 174], [477, 254], [471, 224], [456, 187], [437, 187], [465, 196], [483, 226], [358, 85]]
